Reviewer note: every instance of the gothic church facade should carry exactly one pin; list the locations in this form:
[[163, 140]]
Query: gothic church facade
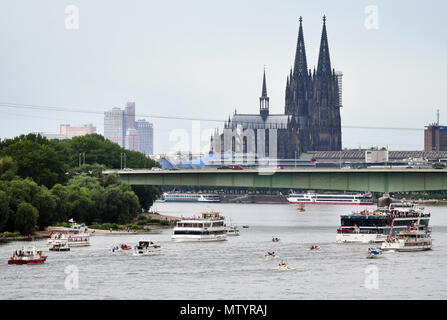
[[311, 119]]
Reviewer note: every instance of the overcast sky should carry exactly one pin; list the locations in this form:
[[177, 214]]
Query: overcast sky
[[204, 59]]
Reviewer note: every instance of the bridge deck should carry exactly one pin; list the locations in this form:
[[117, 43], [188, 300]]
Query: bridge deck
[[370, 179]]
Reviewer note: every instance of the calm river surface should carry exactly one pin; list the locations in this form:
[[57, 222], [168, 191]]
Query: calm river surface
[[237, 268]]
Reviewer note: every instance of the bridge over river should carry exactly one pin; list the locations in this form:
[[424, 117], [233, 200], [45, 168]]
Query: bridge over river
[[371, 179]]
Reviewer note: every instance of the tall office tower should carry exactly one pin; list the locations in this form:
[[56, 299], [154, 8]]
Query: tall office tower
[[130, 115], [115, 126], [70, 132], [132, 139], [435, 137], [145, 136]]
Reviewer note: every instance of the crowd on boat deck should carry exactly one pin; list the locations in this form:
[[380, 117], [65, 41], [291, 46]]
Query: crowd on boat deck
[[20, 253], [396, 213], [56, 235]]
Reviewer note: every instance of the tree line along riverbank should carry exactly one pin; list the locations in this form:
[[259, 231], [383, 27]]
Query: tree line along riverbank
[[43, 183]]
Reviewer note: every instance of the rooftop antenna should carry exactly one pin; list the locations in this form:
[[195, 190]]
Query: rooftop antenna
[[437, 117]]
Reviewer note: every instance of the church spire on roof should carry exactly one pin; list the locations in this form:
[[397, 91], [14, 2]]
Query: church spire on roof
[[324, 61], [300, 66], [264, 99]]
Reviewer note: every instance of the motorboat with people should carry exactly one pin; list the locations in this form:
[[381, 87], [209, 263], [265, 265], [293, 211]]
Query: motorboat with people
[[232, 230], [270, 254], [146, 248], [275, 239], [209, 226], [283, 266], [374, 253], [125, 246], [27, 255], [315, 247], [414, 239], [300, 208]]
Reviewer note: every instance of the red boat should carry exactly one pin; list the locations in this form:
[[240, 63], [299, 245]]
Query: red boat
[[126, 247], [27, 256]]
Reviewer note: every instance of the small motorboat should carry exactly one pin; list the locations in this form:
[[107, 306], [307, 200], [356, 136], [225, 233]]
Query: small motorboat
[[300, 208], [245, 226], [28, 255], [315, 247], [275, 239], [146, 248], [125, 247], [270, 254], [373, 253]]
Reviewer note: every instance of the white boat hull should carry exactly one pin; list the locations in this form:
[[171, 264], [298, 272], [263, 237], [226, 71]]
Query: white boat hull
[[359, 238], [195, 238], [400, 246]]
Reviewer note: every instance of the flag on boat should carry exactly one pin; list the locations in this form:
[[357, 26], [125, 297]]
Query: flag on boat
[[71, 220]]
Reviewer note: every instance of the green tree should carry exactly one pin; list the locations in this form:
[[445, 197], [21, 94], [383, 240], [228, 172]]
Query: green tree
[[26, 218], [36, 159], [45, 202], [4, 210], [8, 168], [63, 205], [147, 195]]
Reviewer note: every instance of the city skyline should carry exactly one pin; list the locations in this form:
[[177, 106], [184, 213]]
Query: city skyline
[[206, 65]]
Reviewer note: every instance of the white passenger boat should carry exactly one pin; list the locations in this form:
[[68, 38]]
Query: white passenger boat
[[146, 248], [373, 226], [78, 236], [322, 198], [189, 197], [210, 226], [415, 239]]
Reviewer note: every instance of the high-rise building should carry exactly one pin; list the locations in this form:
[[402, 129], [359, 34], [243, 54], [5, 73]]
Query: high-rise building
[[132, 139], [145, 136], [130, 115], [435, 138], [70, 132], [120, 127], [114, 126]]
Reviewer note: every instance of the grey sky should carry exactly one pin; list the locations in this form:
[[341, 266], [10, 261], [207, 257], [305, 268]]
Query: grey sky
[[205, 58]]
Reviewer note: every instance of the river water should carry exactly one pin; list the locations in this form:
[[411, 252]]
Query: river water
[[236, 268]]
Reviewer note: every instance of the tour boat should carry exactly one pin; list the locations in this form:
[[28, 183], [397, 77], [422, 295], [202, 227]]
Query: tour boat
[[373, 253], [146, 248], [27, 255], [58, 242], [374, 226], [415, 239], [189, 197], [210, 226], [78, 236], [317, 198]]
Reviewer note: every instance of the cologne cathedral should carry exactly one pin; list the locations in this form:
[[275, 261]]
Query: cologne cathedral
[[311, 119]]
